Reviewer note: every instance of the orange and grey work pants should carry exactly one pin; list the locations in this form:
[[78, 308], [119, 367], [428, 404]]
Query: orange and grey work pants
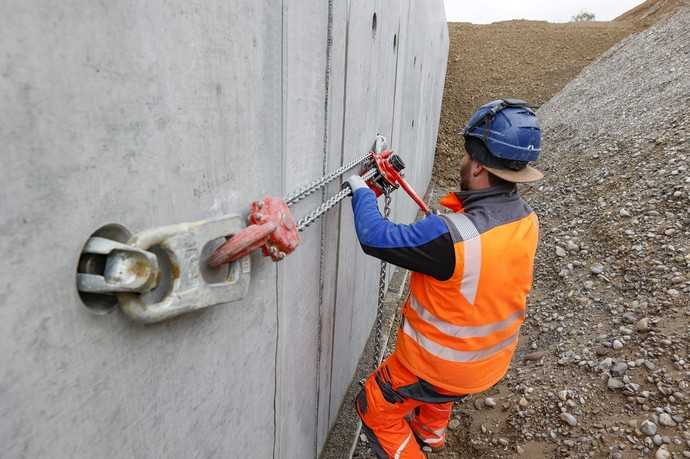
[[396, 406]]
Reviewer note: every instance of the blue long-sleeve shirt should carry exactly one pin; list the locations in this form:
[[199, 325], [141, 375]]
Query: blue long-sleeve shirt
[[425, 246]]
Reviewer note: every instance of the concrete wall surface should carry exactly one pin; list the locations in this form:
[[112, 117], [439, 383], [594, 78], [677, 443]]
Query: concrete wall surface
[[150, 113]]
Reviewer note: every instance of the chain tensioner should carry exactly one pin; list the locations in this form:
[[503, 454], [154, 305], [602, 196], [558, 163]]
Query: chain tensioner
[[272, 226]]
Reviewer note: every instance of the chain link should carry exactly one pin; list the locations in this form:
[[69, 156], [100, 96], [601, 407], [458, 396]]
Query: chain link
[[306, 190], [378, 341], [304, 222]]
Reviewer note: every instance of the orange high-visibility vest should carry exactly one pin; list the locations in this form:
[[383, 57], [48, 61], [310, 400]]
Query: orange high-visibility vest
[[460, 334]]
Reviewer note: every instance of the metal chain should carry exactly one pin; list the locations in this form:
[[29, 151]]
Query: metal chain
[[306, 190], [378, 341], [304, 222]]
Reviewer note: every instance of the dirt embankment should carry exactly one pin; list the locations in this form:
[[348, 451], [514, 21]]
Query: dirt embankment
[[652, 11], [527, 59]]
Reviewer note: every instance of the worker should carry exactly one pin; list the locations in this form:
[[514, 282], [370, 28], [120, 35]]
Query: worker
[[471, 274]]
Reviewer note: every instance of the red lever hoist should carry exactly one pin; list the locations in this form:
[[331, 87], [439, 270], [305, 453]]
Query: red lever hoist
[[272, 227]]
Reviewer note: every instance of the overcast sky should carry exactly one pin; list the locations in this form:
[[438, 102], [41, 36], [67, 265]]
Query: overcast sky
[[484, 12]]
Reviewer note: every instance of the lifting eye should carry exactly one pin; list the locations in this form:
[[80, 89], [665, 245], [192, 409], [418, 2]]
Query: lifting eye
[[93, 263]]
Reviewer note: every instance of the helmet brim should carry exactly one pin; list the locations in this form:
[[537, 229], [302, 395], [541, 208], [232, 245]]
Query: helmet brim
[[526, 175]]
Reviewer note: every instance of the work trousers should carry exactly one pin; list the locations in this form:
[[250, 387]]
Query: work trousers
[[396, 406]]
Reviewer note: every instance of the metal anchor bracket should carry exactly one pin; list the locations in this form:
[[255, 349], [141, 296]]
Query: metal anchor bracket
[[127, 268], [186, 283]]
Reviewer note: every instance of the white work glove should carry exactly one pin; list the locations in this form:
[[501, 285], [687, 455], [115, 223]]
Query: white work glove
[[355, 182]]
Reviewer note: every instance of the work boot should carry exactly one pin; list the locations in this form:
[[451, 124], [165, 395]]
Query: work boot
[[425, 435], [437, 448]]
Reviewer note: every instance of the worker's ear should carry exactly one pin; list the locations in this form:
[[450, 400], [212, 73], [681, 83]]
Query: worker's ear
[[477, 168]]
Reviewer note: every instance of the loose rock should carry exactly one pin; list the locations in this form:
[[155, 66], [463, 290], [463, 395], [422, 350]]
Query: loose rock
[[648, 428], [569, 419], [615, 383], [666, 420], [619, 369], [642, 325], [662, 453]]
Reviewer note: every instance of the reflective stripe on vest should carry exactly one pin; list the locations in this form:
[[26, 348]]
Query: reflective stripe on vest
[[458, 331], [472, 259], [454, 355]]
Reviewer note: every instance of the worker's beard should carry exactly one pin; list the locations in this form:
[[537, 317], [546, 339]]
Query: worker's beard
[[465, 169]]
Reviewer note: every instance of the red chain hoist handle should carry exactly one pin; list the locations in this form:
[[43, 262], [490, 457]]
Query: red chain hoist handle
[[389, 166]]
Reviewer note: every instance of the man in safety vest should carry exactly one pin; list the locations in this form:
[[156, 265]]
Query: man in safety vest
[[472, 271]]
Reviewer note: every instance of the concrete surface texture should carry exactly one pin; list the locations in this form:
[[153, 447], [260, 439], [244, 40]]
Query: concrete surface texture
[[150, 113]]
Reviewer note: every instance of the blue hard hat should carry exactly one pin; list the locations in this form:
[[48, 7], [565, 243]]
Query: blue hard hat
[[508, 128]]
